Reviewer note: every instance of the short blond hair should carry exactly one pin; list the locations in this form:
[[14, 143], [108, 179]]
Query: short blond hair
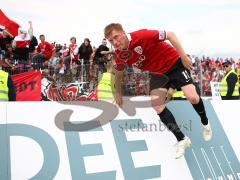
[[113, 26]]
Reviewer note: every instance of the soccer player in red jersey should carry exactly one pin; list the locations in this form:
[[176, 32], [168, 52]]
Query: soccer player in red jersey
[[148, 51]]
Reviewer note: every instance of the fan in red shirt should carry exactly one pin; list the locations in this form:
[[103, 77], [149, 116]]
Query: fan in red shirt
[[72, 57], [21, 44], [168, 64], [45, 51]]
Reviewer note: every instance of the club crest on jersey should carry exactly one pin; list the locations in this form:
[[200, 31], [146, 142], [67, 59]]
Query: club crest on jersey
[[138, 49]]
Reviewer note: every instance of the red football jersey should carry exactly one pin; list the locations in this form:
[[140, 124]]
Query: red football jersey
[[46, 48], [22, 42], [73, 51], [148, 51]]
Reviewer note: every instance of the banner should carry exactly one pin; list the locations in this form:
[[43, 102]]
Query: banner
[[134, 84], [80, 91], [6, 23], [28, 86], [47, 141], [215, 88]]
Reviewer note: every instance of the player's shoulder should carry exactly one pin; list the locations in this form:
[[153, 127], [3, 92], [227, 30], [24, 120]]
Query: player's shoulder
[[138, 32], [144, 34], [137, 36]]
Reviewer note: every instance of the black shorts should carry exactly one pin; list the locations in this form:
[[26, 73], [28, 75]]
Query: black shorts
[[178, 76]]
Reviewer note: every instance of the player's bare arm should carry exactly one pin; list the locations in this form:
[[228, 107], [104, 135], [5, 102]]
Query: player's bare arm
[[118, 91], [176, 43]]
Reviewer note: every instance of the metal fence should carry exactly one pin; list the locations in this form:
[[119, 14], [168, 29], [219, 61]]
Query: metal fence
[[133, 83]]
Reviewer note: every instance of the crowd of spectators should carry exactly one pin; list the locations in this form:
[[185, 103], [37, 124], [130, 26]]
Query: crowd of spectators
[[62, 63], [206, 70]]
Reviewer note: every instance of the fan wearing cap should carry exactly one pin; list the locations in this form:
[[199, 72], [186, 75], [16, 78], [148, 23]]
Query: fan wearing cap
[[229, 83]]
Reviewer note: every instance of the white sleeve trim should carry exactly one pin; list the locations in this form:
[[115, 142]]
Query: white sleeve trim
[[162, 35]]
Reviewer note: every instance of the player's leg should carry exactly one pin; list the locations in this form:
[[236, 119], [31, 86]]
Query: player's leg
[[184, 80], [197, 103], [158, 97], [157, 100]]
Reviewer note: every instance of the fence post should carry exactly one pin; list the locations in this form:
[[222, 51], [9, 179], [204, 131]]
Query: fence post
[[200, 83]]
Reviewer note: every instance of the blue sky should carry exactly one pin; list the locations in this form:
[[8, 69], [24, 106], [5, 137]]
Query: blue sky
[[207, 27]]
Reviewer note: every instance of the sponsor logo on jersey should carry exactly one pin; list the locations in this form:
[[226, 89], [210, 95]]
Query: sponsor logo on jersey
[[138, 49], [125, 55]]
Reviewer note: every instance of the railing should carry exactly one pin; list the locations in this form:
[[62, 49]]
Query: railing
[[133, 84]]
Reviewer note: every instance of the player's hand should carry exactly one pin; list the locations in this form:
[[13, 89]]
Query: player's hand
[[187, 62], [118, 99]]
